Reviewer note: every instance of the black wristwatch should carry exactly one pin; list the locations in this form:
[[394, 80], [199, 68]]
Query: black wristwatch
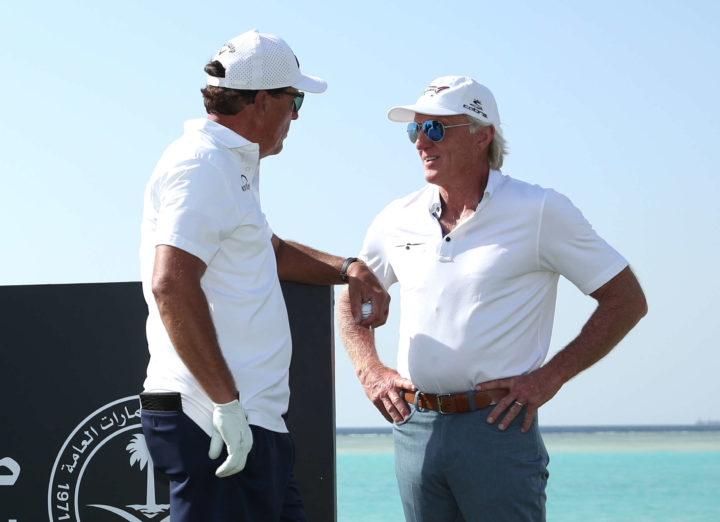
[[343, 271]]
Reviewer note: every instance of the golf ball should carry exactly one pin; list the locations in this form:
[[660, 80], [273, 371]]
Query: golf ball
[[366, 310]]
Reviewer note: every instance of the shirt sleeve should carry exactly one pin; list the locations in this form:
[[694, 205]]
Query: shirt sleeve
[[195, 210], [568, 245], [374, 252]]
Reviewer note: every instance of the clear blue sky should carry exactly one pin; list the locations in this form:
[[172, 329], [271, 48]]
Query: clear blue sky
[[614, 104]]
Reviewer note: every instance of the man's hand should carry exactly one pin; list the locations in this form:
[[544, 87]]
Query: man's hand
[[364, 287], [230, 426], [303, 264], [524, 391], [385, 387]]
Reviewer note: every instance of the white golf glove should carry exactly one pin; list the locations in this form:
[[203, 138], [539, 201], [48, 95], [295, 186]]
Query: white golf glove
[[230, 426]]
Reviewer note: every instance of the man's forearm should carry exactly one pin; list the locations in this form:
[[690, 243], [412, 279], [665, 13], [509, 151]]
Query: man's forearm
[[186, 316], [620, 306], [383, 386], [359, 341], [304, 264], [191, 331]]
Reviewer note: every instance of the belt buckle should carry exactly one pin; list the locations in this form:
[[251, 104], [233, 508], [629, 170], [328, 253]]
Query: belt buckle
[[439, 402]]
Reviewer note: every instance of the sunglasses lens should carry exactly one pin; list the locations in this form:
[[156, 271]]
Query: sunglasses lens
[[434, 130], [413, 129], [299, 101]]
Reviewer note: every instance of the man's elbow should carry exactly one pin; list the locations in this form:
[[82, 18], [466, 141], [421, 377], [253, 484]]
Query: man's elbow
[[627, 289], [641, 306], [162, 287]]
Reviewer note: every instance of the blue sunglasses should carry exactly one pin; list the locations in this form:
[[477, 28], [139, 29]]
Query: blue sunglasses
[[433, 129]]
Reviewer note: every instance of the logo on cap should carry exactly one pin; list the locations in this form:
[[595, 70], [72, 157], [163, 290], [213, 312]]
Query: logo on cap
[[433, 90], [476, 107], [230, 47]]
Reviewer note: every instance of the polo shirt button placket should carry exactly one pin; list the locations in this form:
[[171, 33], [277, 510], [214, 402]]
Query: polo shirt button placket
[[446, 249]]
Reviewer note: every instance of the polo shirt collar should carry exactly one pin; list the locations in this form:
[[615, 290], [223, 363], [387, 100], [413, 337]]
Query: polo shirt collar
[[221, 134], [494, 180]]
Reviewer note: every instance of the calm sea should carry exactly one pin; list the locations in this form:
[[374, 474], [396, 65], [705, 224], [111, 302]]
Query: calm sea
[[596, 474]]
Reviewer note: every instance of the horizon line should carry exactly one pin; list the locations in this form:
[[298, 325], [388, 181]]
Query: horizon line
[[698, 426]]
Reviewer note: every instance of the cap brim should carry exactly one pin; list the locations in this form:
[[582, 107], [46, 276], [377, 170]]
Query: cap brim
[[311, 84], [406, 113]]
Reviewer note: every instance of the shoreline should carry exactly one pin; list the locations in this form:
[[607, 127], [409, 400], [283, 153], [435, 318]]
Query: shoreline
[[700, 427], [567, 439]]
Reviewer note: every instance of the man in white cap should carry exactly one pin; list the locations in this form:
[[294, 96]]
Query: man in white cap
[[218, 333], [477, 255]]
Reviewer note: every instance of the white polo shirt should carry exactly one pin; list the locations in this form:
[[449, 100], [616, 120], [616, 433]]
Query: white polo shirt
[[479, 303], [203, 198]]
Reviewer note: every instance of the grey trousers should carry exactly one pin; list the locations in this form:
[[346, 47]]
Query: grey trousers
[[457, 467]]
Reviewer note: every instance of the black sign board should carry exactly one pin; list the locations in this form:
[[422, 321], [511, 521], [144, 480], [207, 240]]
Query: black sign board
[[72, 361]]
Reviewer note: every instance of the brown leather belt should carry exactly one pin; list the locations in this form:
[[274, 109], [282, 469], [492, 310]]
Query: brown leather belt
[[462, 402]]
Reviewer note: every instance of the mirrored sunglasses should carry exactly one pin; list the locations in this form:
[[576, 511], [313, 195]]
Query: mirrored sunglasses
[[298, 98], [433, 129]]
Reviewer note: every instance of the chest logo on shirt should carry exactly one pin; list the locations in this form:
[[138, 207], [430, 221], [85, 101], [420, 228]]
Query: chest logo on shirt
[[407, 246], [245, 183]]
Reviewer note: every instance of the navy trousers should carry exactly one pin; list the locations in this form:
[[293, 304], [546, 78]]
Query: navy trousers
[[265, 491]]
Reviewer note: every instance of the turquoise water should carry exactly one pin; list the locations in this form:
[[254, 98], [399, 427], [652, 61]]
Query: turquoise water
[[601, 476]]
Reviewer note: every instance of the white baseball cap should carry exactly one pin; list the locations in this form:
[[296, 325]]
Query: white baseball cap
[[451, 95], [257, 61]]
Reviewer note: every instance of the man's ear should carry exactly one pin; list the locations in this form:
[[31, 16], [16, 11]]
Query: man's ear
[[261, 99], [485, 136]]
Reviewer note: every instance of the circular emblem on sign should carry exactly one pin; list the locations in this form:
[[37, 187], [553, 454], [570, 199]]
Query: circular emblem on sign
[[96, 473]]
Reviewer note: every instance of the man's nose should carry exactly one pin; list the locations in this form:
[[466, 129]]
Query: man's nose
[[423, 142]]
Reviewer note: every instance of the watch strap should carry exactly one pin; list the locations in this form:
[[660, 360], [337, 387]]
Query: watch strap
[[343, 271]]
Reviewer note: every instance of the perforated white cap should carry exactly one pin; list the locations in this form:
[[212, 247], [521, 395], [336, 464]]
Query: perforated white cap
[[257, 61], [450, 95]]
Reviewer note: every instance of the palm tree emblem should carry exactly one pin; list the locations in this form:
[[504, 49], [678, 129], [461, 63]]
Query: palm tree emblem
[[140, 455]]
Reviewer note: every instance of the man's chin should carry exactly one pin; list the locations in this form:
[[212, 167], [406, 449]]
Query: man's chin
[[431, 175], [272, 152]]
